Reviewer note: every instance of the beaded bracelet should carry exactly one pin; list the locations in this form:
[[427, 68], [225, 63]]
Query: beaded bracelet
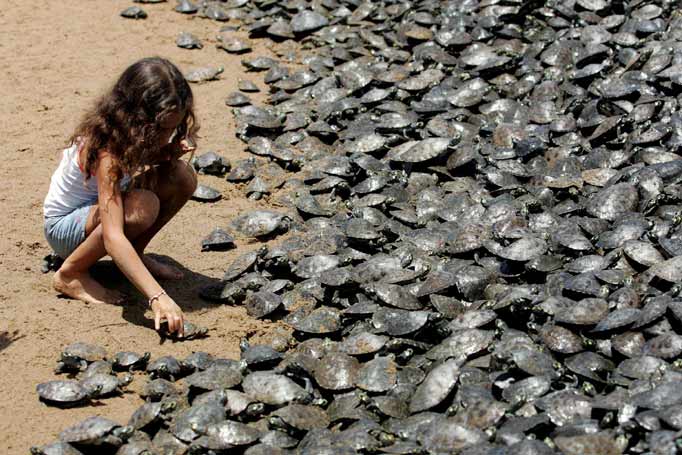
[[155, 297]]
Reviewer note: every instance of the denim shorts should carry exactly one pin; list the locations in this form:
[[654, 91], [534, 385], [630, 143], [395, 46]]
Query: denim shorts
[[65, 233]]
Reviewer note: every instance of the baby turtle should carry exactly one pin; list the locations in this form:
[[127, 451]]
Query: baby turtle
[[260, 223], [235, 99], [190, 331], [272, 389], [134, 12], [233, 45], [96, 431], [261, 304], [158, 389], [204, 74], [299, 417], [258, 356], [307, 21], [64, 393], [190, 423], [247, 86], [128, 361], [437, 385], [166, 367], [188, 41], [217, 376], [76, 356], [205, 193], [102, 385], [217, 240], [56, 448], [150, 416], [211, 163], [228, 434], [186, 7]]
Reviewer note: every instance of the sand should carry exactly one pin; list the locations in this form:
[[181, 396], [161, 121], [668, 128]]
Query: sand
[[58, 57]]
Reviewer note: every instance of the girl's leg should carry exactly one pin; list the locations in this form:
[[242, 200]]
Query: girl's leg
[[141, 209], [176, 182]]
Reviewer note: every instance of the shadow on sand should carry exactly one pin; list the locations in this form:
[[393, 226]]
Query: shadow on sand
[[7, 338], [185, 292]]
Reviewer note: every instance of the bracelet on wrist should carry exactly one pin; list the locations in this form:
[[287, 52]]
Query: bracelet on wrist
[[155, 297]]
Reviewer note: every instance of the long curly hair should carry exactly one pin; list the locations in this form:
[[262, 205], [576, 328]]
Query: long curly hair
[[126, 120]]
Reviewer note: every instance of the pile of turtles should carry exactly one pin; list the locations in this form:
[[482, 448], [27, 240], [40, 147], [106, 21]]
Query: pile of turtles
[[483, 201]]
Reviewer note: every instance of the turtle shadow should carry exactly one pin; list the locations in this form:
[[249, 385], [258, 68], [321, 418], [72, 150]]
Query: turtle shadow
[[185, 292], [7, 338]]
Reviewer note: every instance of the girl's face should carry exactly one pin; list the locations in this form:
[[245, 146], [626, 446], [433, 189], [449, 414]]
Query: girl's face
[[168, 125]]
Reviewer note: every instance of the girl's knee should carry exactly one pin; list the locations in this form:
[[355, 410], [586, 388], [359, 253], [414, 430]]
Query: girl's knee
[[141, 210]]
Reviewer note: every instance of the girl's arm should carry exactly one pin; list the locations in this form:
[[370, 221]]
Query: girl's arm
[[117, 245]]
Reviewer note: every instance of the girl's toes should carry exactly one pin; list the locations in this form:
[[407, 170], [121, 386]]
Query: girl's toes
[[117, 297]]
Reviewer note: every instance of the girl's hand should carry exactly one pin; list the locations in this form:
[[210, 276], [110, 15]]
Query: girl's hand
[[187, 146], [175, 149], [165, 308]]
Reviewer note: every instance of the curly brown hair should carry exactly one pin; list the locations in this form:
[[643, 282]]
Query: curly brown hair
[[125, 121]]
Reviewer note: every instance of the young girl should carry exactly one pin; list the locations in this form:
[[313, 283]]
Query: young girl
[[120, 181]]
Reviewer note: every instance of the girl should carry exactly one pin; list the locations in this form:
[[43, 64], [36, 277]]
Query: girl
[[120, 182]]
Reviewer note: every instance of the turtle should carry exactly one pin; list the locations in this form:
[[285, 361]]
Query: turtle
[[150, 416], [205, 193], [138, 444], [65, 393], [217, 240], [204, 74], [98, 367], [190, 423], [165, 367], [247, 86], [186, 40], [260, 223], [55, 448], [198, 361], [259, 63], [229, 434], [76, 357], [186, 7], [190, 331], [233, 45], [158, 389], [273, 389], [263, 303], [102, 385], [134, 12], [211, 163], [237, 99], [258, 356], [216, 376], [307, 21], [128, 361], [96, 431], [299, 417]]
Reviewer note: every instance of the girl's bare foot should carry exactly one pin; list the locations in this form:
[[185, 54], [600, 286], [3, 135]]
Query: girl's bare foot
[[161, 270], [83, 287]]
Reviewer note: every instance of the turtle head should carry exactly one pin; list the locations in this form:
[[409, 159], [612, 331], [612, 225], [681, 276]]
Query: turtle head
[[276, 423], [124, 433], [35, 450], [168, 406], [125, 379], [255, 409], [95, 390]]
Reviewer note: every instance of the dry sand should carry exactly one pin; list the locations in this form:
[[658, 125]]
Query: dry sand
[[58, 56]]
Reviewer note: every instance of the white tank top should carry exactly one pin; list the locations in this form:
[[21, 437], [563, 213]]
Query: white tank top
[[68, 188]]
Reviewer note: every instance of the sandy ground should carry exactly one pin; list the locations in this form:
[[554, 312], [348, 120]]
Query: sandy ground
[[57, 58]]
